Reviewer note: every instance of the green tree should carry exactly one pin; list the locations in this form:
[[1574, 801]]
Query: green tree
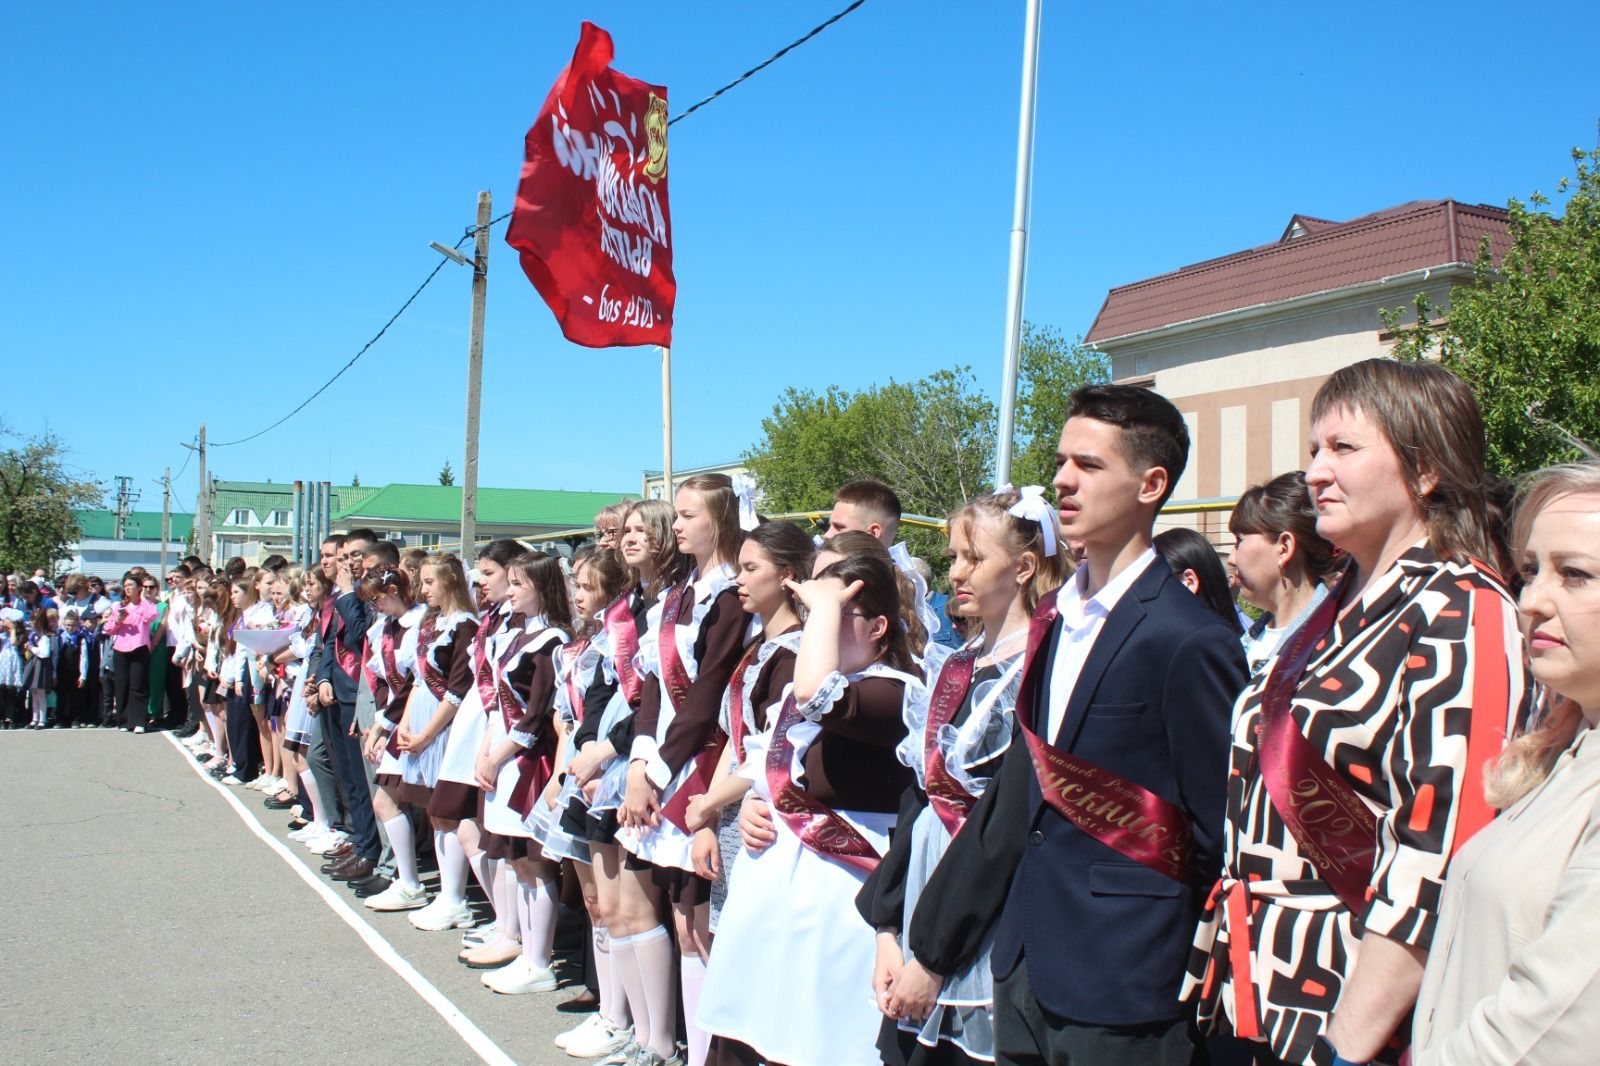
[[37, 496], [1526, 334], [1051, 368], [446, 475], [355, 481]]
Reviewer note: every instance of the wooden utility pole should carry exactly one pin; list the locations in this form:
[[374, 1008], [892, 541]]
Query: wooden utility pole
[[666, 425], [166, 518], [469, 465], [202, 503]]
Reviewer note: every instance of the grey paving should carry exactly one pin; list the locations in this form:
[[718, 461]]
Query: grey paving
[[142, 922]]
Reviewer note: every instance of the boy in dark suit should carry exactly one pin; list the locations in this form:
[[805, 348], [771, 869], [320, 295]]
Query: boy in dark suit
[[1090, 857]]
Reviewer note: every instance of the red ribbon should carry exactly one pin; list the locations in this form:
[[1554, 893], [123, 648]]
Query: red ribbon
[[622, 632], [1334, 829], [482, 669], [820, 829], [575, 695], [736, 731], [948, 799], [1121, 814], [674, 675]]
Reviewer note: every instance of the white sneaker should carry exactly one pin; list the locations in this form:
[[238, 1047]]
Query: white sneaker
[[231, 780], [581, 1031], [606, 1040], [305, 832], [193, 741], [624, 1055], [399, 896], [519, 978], [332, 841], [441, 914]]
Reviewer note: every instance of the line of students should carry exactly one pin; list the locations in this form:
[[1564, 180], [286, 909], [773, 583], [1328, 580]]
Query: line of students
[[806, 834]]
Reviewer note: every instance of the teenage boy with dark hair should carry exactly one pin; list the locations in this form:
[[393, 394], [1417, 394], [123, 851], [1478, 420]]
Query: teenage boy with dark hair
[[868, 506], [338, 685], [1091, 855]]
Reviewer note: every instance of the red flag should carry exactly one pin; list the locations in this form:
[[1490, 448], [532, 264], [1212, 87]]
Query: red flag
[[591, 223]]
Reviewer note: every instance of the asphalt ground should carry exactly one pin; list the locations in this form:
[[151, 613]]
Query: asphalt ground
[[142, 920]]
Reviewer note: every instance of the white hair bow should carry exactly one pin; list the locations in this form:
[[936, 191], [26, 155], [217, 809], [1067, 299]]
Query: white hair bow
[[1033, 508], [744, 487]]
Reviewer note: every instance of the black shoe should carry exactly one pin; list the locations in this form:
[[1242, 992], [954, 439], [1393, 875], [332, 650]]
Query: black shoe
[[370, 886], [276, 804], [297, 824]]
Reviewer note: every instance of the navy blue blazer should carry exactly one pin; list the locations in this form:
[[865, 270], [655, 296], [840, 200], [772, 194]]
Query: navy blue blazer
[[1105, 938], [348, 626]]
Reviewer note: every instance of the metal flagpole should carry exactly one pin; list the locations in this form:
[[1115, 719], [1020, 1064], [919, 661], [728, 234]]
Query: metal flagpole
[[666, 424], [1017, 277]]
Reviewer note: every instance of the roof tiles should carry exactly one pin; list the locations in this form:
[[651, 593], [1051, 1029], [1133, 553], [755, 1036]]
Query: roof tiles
[[1411, 236]]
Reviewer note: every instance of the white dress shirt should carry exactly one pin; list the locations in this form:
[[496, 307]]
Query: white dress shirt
[[1081, 621]]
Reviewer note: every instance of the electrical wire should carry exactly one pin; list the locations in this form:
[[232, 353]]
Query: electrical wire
[[472, 231]]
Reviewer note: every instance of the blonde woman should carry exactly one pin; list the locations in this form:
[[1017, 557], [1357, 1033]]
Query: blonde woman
[[1513, 976]]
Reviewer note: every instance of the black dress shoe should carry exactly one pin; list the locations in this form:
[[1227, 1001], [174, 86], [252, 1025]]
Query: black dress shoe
[[276, 804], [355, 871], [370, 886], [297, 824]]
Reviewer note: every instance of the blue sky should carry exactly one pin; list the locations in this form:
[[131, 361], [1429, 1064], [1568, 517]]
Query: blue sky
[[211, 207]]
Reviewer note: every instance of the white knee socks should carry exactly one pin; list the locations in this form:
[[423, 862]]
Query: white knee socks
[[403, 841], [452, 867], [538, 907], [654, 955], [692, 971], [613, 1001], [314, 815]]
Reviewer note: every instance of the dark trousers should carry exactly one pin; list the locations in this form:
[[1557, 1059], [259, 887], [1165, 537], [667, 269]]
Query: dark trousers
[[1026, 1034], [244, 743], [131, 680], [72, 701], [348, 765], [176, 707]]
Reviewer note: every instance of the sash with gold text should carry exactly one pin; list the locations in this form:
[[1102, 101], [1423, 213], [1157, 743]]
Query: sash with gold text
[[622, 633], [820, 829], [948, 799], [1121, 814], [1335, 830]]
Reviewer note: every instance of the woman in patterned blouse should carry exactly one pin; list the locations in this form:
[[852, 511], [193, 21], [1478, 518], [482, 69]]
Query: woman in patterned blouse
[[1371, 728]]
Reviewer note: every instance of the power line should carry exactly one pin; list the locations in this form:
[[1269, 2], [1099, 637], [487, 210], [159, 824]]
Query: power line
[[472, 231]]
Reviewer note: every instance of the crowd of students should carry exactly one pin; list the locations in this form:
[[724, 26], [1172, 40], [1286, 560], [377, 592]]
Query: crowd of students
[[1117, 820]]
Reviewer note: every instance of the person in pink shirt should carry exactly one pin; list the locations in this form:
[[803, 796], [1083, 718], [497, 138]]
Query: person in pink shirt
[[129, 627]]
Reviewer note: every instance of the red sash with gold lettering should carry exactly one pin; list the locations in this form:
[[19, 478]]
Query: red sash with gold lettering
[[534, 766], [736, 730], [482, 668], [820, 829], [1334, 829], [1121, 814], [948, 799], [675, 678], [622, 633], [396, 682], [575, 695], [425, 669]]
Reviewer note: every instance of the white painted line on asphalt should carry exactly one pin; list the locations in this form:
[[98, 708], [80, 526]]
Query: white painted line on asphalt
[[478, 1040]]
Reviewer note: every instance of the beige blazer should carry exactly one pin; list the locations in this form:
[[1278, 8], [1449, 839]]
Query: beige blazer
[[1514, 972]]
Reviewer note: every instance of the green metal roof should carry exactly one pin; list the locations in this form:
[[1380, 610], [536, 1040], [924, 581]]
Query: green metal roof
[[511, 507], [264, 497], [101, 524]]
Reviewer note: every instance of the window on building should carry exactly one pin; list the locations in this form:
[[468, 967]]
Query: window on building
[[239, 516], [280, 517], [428, 540]]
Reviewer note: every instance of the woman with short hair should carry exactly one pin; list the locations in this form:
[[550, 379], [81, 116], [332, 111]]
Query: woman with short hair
[[1358, 756]]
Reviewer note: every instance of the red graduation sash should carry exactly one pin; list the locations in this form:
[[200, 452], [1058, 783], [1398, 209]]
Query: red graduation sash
[[392, 675], [822, 830], [1121, 814], [675, 677], [948, 799], [425, 668], [534, 766], [575, 695], [482, 668], [1334, 829], [736, 731], [622, 633]]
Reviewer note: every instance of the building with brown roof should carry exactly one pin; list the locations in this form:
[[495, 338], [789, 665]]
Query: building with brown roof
[[1242, 342]]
